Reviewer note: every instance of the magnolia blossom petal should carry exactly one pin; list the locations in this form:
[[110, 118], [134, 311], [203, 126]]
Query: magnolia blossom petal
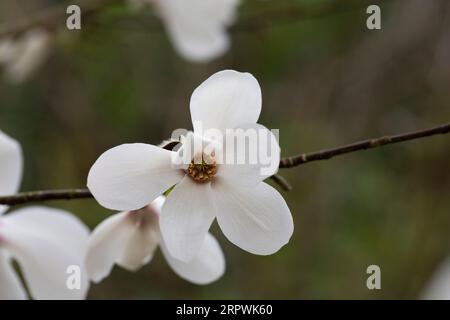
[[11, 166], [10, 286], [198, 27], [130, 176], [106, 243], [186, 217], [208, 266], [126, 238], [252, 154], [8, 50], [141, 246], [32, 50], [47, 243], [255, 219], [438, 288], [226, 100]]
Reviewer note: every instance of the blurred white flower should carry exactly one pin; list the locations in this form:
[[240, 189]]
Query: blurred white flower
[[438, 288], [21, 57], [44, 241], [131, 238], [252, 214], [198, 28]]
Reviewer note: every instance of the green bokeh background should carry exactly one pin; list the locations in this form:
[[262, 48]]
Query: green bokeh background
[[326, 80]]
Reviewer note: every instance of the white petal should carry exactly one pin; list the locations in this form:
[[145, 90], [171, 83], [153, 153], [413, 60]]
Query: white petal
[[438, 287], [106, 243], [158, 203], [46, 242], [8, 49], [10, 286], [32, 51], [130, 176], [226, 100], [124, 239], [11, 166], [255, 219], [141, 246], [253, 159], [198, 27], [208, 266], [186, 217]]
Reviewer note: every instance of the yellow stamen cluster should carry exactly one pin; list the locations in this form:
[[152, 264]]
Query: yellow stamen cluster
[[202, 170]]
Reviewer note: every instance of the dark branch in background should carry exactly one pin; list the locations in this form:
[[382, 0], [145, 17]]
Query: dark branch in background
[[285, 14], [303, 158], [289, 162], [45, 195]]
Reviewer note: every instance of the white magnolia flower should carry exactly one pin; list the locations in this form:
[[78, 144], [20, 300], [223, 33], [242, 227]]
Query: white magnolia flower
[[197, 27], [251, 214], [131, 238], [44, 241], [438, 288], [21, 57]]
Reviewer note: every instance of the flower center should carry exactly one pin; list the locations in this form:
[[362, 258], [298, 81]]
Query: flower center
[[202, 170]]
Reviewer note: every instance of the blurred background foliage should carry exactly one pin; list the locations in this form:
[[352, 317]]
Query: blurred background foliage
[[326, 80]]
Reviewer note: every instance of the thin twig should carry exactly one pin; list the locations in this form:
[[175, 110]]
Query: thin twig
[[282, 182], [45, 195], [289, 162]]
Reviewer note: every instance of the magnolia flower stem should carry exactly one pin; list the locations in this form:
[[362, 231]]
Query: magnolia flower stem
[[325, 154], [288, 162]]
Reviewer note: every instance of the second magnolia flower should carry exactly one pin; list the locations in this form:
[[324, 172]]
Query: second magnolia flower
[[251, 214]]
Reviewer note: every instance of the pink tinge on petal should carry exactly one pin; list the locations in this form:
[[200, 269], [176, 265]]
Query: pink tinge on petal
[[128, 239]]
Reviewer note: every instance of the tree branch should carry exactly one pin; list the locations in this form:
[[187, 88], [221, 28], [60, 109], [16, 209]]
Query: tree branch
[[325, 154], [45, 195], [286, 14], [282, 182], [289, 162]]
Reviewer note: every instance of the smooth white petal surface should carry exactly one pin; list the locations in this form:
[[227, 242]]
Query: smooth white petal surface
[[226, 100], [11, 166], [46, 242], [10, 286], [141, 246], [106, 243], [198, 27], [208, 266], [256, 219], [186, 217], [127, 238], [130, 176], [252, 154]]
